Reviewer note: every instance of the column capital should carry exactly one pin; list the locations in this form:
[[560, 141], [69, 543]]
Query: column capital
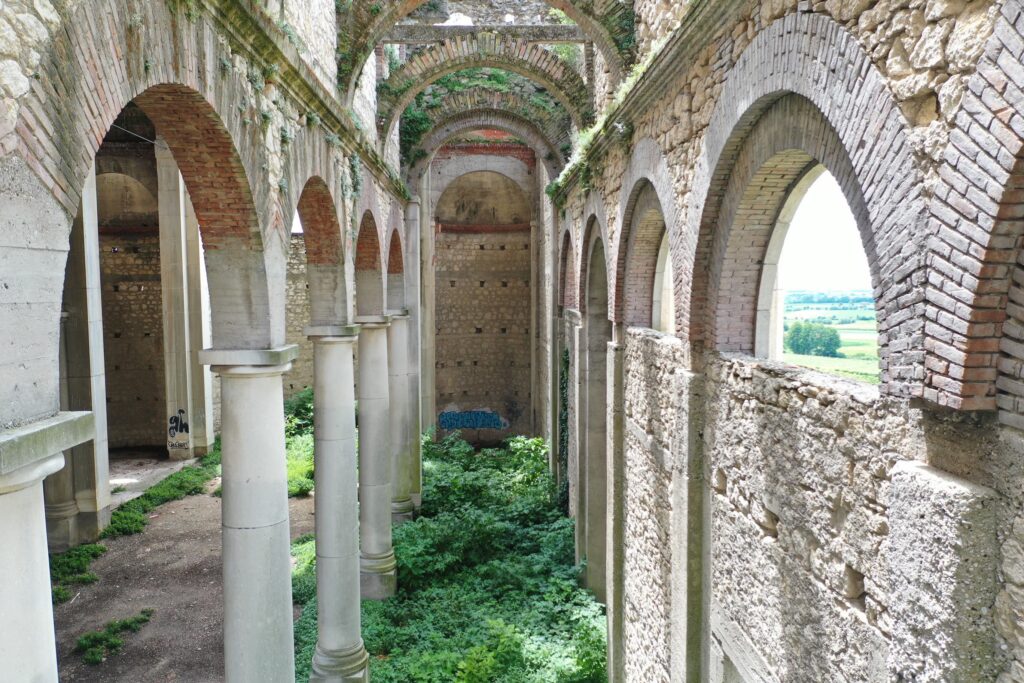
[[573, 317], [38, 441], [269, 358], [399, 314], [370, 322], [328, 333]]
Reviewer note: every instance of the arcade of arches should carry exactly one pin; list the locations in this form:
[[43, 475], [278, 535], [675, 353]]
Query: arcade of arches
[[424, 207]]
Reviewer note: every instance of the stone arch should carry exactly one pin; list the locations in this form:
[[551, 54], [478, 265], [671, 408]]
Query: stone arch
[[396, 273], [482, 50], [325, 258], [594, 228], [89, 74], [612, 32], [647, 187], [975, 341], [370, 299], [448, 128], [567, 271], [864, 127]]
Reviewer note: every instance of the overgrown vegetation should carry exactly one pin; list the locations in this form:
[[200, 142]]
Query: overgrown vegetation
[[96, 646], [487, 586], [812, 339], [563, 434]]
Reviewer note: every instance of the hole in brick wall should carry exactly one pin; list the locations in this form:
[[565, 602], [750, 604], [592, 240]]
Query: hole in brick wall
[[482, 283], [504, 283], [501, 248], [451, 283], [114, 250], [504, 330], [482, 247], [117, 335], [526, 247], [117, 288], [479, 330], [475, 363]]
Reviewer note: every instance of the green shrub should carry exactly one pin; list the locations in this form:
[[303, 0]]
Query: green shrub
[[298, 413], [299, 462], [487, 586]]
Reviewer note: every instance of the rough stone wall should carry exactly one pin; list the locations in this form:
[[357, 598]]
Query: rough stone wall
[[133, 338], [656, 20], [483, 321], [316, 28], [297, 317], [650, 360]]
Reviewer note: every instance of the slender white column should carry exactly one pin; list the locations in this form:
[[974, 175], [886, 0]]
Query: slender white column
[[398, 419], [27, 647], [377, 556], [59, 487], [340, 656], [199, 336], [86, 381], [173, 293], [428, 386], [258, 643]]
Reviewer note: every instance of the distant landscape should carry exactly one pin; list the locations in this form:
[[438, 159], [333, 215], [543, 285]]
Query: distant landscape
[[852, 314]]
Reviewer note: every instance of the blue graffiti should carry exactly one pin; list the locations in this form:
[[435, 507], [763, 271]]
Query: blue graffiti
[[471, 419]]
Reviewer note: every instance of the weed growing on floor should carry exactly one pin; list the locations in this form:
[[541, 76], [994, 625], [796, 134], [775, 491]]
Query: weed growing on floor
[[72, 568], [132, 517], [96, 646], [488, 589]]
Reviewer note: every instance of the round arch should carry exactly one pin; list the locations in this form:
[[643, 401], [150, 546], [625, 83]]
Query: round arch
[[325, 258], [528, 60], [784, 59], [396, 273], [567, 271], [370, 295], [369, 28]]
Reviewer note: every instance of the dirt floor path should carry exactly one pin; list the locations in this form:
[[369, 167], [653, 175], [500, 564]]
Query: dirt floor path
[[174, 568]]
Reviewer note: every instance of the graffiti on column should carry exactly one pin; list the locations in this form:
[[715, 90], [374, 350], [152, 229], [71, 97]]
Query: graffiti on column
[[471, 419], [178, 425]]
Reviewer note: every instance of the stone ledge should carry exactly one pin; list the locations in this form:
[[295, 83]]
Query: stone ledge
[[27, 444], [331, 331], [251, 357]]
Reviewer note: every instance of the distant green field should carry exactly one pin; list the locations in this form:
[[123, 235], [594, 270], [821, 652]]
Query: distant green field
[[859, 348]]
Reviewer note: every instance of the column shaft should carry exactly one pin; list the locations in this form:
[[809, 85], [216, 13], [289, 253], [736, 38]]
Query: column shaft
[[59, 487], [173, 293], [340, 655], [415, 283], [201, 427], [257, 565], [377, 557], [27, 647], [398, 420]]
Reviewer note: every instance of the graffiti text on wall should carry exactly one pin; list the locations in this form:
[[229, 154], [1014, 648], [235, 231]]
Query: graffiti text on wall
[[471, 419]]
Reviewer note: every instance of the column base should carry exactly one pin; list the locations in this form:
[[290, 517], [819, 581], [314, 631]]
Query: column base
[[344, 666], [378, 577], [91, 524], [62, 532], [402, 511], [179, 454]]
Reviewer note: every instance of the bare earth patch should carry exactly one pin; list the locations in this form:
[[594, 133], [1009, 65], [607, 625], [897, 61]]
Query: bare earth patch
[[173, 567]]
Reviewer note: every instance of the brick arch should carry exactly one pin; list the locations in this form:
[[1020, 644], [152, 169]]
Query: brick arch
[[567, 272], [497, 120], [325, 258], [91, 72], [642, 235], [647, 178], [611, 30], [593, 233], [482, 50], [396, 272], [370, 298], [850, 100], [975, 358]]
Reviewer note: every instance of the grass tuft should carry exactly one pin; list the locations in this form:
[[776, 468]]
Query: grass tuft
[[96, 646]]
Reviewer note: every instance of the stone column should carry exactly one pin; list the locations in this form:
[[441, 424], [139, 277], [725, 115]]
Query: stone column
[[27, 648], [398, 419], [59, 487], [428, 386], [84, 382], [201, 427], [415, 284], [339, 656], [616, 527], [174, 295], [258, 641], [379, 578]]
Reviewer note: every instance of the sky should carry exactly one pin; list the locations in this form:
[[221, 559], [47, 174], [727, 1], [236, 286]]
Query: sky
[[823, 250]]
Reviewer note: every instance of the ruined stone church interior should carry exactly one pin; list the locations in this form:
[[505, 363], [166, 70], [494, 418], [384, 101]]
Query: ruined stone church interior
[[565, 341]]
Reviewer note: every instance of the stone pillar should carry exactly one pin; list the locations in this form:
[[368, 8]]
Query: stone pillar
[[428, 384], [379, 578], [616, 526], [27, 648], [415, 284], [258, 641], [201, 427], [174, 295], [398, 419], [84, 384], [339, 656], [59, 487]]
